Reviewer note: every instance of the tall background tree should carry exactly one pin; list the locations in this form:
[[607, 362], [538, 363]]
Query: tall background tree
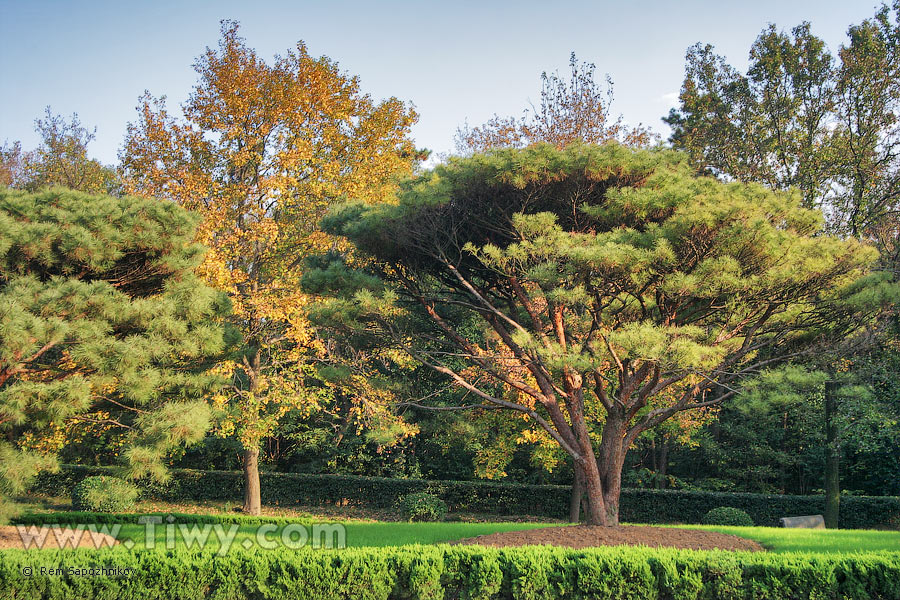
[[612, 288], [577, 110], [799, 118], [829, 128], [102, 321], [261, 152], [61, 159]]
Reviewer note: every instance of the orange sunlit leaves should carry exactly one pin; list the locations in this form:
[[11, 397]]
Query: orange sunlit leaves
[[261, 153]]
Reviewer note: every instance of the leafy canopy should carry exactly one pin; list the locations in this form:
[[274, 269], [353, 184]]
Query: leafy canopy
[[263, 149], [577, 110], [800, 116], [60, 159]]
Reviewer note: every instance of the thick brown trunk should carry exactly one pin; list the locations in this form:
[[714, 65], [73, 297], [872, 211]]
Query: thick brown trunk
[[586, 462], [252, 501], [611, 459], [597, 512], [612, 489], [578, 502]]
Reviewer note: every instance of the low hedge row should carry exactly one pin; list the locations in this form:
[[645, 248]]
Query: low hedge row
[[437, 572], [637, 505], [103, 518]]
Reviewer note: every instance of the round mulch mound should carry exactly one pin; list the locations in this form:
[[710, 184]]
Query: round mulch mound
[[582, 536], [45, 537]]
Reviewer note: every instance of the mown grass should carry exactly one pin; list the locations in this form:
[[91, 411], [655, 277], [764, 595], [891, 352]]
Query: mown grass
[[366, 530], [360, 534], [382, 534], [774, 539], [826, 541]]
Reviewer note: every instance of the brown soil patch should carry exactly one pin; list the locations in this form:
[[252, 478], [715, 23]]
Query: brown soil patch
[[581, 536], [31, 536]]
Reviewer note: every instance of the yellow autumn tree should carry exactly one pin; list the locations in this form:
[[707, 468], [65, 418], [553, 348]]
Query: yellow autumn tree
[[261, 152]]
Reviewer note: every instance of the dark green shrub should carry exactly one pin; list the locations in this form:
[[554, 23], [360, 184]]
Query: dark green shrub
[[727, 515], [103, 493], [422, 506]]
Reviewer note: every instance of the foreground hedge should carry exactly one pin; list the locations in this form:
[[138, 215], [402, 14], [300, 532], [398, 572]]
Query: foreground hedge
[[637, 505], [434, 572]]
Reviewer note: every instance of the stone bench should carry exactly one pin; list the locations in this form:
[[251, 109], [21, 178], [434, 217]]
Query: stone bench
[[806, 522]]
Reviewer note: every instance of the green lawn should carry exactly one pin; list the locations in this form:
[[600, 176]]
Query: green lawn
[[397, 534], [829, 541], [775, 539], [357, 533]]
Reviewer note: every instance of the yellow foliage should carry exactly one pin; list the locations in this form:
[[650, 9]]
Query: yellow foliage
[[262, 151]]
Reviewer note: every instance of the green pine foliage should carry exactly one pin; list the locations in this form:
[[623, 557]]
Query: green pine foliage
[[102, 321], [627, 288]]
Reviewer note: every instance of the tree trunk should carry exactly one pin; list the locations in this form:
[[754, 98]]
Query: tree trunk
[[608, 472], [252, 501], [661, 479], [577, 495], [597, 512], [578, 502], [832, 459], [612, 486]]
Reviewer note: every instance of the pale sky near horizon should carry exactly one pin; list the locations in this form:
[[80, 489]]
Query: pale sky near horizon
[[456, 61]]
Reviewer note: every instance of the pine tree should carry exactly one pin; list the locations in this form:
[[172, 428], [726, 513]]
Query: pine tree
[[614, 289], [102, 319]]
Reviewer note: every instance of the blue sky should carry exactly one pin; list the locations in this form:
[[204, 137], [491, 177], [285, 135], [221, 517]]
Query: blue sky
[[455, 61]]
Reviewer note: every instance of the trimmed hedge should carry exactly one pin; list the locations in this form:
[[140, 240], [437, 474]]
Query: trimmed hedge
[[101, 518], [636, 505], [436, 572]]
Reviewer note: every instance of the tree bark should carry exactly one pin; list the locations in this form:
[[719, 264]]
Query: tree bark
[[661, 480], [832, 459], [252, 500], [578, 502], [612, 484], [577, 495], [611, 458], [597, 511]]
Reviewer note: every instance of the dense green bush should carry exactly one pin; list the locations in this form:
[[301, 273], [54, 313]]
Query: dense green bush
[[102, 493], [422, 506], [433, 572], [636, 506], [727, 515]]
